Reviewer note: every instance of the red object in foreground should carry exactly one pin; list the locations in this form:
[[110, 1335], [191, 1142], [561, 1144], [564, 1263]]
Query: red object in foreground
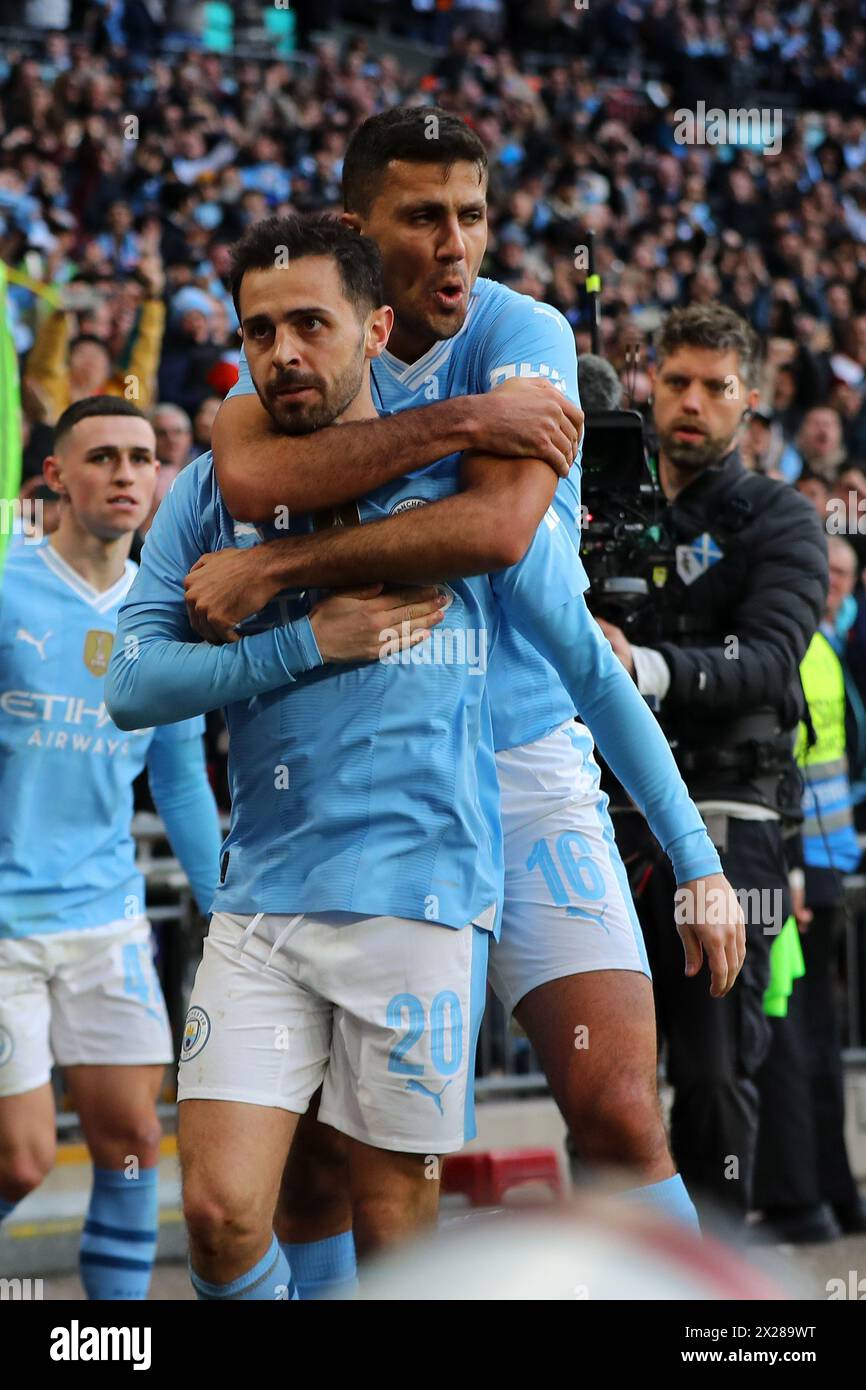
[[222, 377], [485, 1177]]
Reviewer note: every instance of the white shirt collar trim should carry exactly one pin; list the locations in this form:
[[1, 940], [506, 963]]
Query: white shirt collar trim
[[103, 600]]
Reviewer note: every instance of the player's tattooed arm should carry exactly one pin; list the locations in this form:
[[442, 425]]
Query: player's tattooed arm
[[260, 470], [486, 527]]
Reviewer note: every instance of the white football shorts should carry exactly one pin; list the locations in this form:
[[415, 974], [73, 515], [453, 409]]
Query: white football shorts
[[382, 1012], [87, 997], [567, 908]]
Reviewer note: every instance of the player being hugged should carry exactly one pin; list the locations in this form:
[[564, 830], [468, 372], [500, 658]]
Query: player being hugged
[[78, 985]]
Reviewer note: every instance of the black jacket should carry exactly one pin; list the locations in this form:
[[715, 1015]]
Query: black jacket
[[743, 625]]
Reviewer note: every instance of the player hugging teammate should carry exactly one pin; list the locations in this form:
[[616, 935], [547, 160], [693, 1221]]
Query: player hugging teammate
[[387, 845]]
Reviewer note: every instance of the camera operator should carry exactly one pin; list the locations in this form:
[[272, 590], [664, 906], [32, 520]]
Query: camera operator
[[743, 596]]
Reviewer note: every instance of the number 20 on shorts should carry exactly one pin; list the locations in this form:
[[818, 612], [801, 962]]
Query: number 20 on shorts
[[446, 1032]]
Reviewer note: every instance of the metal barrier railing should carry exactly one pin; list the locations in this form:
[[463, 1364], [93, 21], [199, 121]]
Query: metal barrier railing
[[506, 1062]]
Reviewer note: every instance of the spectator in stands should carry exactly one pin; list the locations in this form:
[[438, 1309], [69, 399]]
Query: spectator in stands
[[174, 449], [174, 439], [759, 448], [65, 371], [783, 400], [817, 490], [820, 442], [847, 396], [119, 244], [203, 423], [133, 27], [190, 351]]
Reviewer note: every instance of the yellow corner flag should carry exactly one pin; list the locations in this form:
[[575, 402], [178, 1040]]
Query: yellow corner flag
[[10, 424]]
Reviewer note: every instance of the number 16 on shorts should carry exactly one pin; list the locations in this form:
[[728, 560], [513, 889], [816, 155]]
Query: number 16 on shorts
[[569, 867]]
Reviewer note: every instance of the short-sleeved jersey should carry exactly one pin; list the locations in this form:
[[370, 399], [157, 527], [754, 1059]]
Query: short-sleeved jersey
[[367, 788], [67, 856], [504, 335]]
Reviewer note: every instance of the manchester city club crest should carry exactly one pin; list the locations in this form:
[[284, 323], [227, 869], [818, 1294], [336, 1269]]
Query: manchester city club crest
[[408, 504], [97, 651], [195, 1033]]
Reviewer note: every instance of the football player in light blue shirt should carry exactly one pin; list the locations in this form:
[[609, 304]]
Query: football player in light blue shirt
[[367, 791], [349, 810], [77, 980]]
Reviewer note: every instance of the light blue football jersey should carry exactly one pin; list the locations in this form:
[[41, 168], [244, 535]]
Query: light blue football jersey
[[367, 788], [504, 335], [67, 856]]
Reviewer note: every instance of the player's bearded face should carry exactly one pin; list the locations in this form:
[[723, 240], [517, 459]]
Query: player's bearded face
[[305, 343], [301, 402], [698, 404], [430, 224]]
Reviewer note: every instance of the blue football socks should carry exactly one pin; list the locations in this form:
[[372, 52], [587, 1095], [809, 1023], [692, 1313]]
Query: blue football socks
[[324, 1268], [269, 1280], [669, 1198], [118, 1243]]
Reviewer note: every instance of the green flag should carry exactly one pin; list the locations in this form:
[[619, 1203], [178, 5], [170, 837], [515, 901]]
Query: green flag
[[10, 424]]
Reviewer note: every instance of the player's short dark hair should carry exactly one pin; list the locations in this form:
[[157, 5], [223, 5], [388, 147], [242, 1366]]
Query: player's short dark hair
[[417, 134], [93, 405], [357, 257], [90, 338], [710, 326]]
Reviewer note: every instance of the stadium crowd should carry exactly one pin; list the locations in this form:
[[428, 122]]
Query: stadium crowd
[[124, 183]]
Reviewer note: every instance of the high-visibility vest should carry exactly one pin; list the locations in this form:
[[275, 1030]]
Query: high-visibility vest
[[829, 838]]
